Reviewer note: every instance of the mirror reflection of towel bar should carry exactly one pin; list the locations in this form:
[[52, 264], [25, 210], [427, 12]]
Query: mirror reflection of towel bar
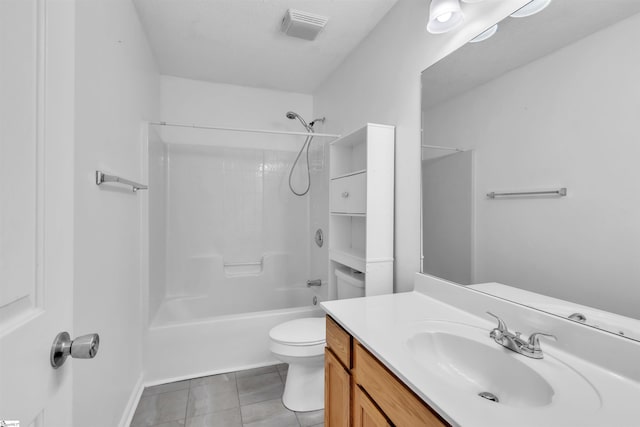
[[560, 193]]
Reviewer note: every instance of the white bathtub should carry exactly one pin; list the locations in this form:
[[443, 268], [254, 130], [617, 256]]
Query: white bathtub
[[253, 299], [179, 347]]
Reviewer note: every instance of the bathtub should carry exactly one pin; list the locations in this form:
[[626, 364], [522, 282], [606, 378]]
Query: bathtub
[[189, 308], [185, 341]]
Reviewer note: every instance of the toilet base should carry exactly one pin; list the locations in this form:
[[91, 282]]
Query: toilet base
[[304, 388]]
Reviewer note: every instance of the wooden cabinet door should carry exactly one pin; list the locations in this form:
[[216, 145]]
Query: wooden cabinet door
[[337, 385], [365, 412], [339, 342]]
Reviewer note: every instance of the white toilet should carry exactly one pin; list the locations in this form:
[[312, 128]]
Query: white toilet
[[349, 283], [300, 343]]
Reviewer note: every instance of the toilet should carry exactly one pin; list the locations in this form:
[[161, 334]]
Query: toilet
[[300, 343], [349, 283]]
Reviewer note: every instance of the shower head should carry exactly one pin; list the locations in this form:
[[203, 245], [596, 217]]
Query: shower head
[[307, 143], [321, 120], [292, 115]]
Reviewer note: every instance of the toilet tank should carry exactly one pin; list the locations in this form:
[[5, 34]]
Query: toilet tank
[[350, 284]]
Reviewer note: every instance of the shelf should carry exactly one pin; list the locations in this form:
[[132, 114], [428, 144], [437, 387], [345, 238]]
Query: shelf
[[358, 135], [357, 215], [353, 258], [353, 138], [345, 175], [361, 194], [348, 155]]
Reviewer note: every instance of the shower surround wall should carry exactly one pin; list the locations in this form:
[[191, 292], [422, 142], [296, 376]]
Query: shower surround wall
[[226, 199], [235, 233]]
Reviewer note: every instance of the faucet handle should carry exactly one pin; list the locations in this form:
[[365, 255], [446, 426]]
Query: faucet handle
[[534, 340], [502, 327]]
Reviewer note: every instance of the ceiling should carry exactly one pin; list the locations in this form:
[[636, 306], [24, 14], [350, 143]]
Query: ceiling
[[239, 41]]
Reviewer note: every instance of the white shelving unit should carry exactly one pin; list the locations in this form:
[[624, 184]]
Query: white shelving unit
[[361, 207]]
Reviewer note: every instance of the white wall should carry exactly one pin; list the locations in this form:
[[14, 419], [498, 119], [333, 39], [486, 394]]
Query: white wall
[[192, 101], [563, 120], [116, 90], [380, 83]]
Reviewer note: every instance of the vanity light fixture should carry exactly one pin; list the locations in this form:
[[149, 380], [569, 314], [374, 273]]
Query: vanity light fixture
[[444, 16], [530, 8], [485, 34]]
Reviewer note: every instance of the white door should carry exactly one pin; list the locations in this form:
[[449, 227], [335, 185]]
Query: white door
[[36, 207]]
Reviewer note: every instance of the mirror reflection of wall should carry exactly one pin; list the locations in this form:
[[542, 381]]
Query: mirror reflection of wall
[[565, 117], [447, 209]]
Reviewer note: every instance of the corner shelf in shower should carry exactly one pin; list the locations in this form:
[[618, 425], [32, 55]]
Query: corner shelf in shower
[[361, 196]]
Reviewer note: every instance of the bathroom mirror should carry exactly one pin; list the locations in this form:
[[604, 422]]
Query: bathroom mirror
[[548, 107]]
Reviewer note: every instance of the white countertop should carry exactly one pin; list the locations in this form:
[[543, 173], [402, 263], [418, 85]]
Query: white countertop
[[384, 323]]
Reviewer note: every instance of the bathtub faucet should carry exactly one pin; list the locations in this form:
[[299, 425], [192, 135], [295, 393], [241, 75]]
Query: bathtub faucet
[[315, 282]]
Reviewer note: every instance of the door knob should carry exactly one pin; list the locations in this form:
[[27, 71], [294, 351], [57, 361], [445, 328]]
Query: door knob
[[84, 347]]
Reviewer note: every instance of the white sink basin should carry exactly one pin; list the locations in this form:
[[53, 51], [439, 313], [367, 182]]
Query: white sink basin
[[466, 358]]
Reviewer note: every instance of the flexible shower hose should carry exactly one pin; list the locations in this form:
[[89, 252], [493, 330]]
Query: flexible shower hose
[[307, 143]]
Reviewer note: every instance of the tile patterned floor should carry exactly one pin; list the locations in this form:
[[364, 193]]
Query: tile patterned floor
[[250, 398]]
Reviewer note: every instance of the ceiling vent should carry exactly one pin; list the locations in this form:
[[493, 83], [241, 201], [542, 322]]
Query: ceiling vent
[[302, 24]]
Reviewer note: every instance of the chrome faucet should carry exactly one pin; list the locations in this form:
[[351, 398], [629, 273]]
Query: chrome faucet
[[530, 348]]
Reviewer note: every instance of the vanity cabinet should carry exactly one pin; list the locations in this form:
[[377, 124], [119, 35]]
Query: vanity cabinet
[[365, 412], [337, 376], [337, 385], [361, 196], [361, 392]]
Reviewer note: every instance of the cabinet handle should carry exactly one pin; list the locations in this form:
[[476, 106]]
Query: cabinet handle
[[345, 194]]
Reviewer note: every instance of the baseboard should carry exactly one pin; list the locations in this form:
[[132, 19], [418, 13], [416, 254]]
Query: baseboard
[[132, 404], [213, 372]]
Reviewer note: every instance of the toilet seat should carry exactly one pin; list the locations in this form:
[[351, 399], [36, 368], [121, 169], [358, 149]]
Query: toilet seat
[[300, 332], [299, 338]]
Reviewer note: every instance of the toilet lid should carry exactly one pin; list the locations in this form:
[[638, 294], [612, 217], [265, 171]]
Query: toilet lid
[[308, 331]]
